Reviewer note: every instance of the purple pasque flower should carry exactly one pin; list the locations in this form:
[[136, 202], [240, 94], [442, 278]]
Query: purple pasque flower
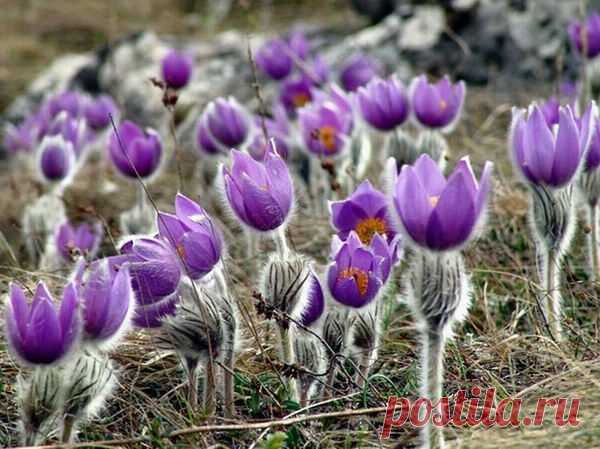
[[591, 28], [226, 123], [439, 105], [192, 233], [296, 93], [108, 302], [384, 103], [358, 71], [19, 138], [365, 212], [343, 101], [70, 102], [316, 70], [260, 194], [204, 141], [38, 334], [141, 152], [315, 301], [546, 154], [436, 214], [325, 129], [56, 159], [355, 274], [155, 274], [82, 239], [72, 129], [274, 59], [97, 112], [390, 251], [592, 160], [260, 147], [176, 69]]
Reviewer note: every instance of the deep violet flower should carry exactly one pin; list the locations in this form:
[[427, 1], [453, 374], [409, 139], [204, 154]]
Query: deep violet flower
[[56, 159], [315, 303], [226, 124], [439, 105], [296, 93], [274, 59], [359, 70], [98, 110], [592, 29], [141, 152], [176, 69], [384, 103]]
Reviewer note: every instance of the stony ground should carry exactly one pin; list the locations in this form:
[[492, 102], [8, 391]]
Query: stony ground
[[499, 345]]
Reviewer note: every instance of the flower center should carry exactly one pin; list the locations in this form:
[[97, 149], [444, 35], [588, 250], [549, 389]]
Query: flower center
[[327, 136], [360, 277], [368, 227], [433, 200], [443, 105], [300, 99]]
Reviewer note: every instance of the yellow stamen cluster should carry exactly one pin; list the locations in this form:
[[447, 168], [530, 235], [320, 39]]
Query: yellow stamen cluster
[[443, 105], [433, 200], [367, 228], [327, 136], [300, 99], [360, 277]]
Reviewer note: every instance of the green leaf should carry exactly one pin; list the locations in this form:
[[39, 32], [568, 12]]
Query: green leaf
[[274, 441]]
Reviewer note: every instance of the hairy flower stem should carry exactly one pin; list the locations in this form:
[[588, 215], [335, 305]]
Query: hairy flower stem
[[289, 358], [363, 369], [552, 299], [141, 200], [68, 427], [592, 241], [432, 367], [209, 398], [191, 370], [281, 242]]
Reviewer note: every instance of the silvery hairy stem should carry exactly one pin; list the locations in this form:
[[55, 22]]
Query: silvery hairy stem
[[589, 186], [553, 220], [439, 292]]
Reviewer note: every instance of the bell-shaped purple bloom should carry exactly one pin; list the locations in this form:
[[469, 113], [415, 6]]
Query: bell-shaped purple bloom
[[439, 105], [384, 103], [436, 214], [355, 274], [177, 69], [592, 29], [38, 334], [225, 123], [592, 160], [56, 158], [260, 194], [315, 302], [296, 93], [550, 155], [274, 59], [155, 274], [83, 239], [364, 212], [108, 302], [97, 112], [69, 102], [325, 129], [141, 151], [359, 70], [192, 233]]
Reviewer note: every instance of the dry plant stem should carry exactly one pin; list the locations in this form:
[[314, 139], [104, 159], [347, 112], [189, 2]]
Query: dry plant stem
[[432, 367], [287, 353], [552, 300], [592, 241]]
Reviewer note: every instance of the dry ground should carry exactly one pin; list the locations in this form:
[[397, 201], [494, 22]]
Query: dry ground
[[499, 345]]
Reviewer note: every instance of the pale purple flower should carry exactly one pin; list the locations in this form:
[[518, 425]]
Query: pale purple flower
[[296, 93], [384, 103], [83, 239], [39, 334], [437, 105], [550, 155], [435, 213], [97, 112], [325, 129], [192, 233], [355, 275], [226, 124], [18, 138], [592, 30], [260, 194], [358, 71], [141, 152], [274, 59]]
